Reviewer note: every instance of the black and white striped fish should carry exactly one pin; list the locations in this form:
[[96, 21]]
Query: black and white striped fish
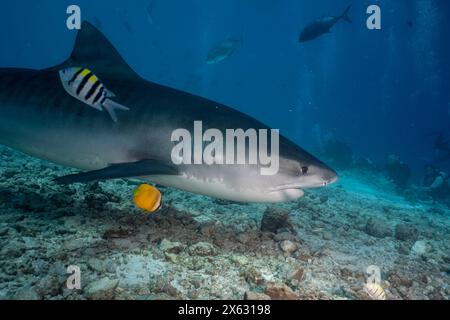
[[83, 85]]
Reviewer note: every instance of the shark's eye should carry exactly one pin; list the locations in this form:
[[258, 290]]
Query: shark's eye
[[304, 170]]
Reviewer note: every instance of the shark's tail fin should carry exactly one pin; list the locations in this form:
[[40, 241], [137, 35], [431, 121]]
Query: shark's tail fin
[[345, 14], [111, 106]]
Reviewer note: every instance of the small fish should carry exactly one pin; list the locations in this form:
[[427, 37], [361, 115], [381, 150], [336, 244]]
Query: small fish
[[375, 291], [222, 51], [322, 26], [148, 198], [84, 85]]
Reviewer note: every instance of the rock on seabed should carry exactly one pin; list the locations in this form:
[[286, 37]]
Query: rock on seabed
[[378, 228], [103, 289]]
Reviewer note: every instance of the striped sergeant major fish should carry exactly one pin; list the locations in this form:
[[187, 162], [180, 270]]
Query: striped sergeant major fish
[[84, 85]]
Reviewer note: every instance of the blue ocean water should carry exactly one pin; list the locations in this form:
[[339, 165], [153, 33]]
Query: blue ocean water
[[381, 93]]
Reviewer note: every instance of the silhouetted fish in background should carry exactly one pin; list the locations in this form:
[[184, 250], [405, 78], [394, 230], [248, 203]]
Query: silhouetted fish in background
[[441, 146], [322, 26], [222, 51], [149, 10]]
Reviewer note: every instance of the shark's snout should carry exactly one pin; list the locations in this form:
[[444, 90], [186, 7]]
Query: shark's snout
[[323, 176], [330, 176]]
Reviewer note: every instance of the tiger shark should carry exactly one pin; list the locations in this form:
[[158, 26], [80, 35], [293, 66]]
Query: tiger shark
[[38, 117]]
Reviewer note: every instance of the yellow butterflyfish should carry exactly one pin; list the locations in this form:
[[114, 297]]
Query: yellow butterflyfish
[[148, 198]]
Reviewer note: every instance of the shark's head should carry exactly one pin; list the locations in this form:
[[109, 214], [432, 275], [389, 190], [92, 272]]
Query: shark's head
[[300, 170], [305, 173]]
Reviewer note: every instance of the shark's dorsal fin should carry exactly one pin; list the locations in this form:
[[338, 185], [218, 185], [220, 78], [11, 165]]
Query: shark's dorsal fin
[[93, 51]]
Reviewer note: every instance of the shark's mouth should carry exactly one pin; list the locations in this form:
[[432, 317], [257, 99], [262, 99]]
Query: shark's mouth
[[304, 185], [286, 187], [298, 186]]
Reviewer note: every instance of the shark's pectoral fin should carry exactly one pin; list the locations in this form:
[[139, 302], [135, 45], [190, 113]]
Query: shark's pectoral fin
[[141, 168]]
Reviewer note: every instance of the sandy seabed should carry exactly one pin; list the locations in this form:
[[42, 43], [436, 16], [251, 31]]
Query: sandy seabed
[[318, 247]]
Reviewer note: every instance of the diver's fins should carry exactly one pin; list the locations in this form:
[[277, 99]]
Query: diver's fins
[[110, 106], [122, 170]]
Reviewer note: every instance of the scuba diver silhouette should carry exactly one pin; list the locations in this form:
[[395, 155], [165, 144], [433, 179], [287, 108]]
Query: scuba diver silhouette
[[436, 183], [441, 147]]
